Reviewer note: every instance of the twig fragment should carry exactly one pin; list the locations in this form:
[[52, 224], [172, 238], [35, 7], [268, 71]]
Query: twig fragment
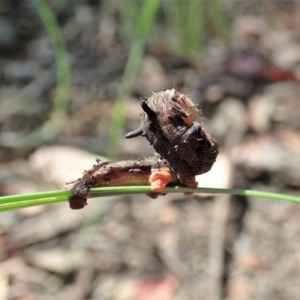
[[151, 170]]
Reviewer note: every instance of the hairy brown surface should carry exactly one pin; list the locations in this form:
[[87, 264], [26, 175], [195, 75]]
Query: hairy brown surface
[[119, 173], [172, 124]]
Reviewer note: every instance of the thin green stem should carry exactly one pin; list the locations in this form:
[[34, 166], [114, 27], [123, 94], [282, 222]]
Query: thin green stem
[[143, 25], [34, 199], [51, 197], [50, 128]]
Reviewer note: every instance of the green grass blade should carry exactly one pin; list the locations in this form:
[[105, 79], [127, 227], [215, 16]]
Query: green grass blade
[[50, 128], [143, 26], [96, 192], [42, 198], [34, 199]]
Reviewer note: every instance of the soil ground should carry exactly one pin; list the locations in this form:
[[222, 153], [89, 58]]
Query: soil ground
[[176, 247]]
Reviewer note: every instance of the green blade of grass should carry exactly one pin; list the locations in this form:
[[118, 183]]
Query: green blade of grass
[[13, 202], [96, 192], [49, 129], [143, 25], [42, 198]]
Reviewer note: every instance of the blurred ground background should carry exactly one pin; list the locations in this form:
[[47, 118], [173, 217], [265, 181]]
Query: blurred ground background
[[72, 74]]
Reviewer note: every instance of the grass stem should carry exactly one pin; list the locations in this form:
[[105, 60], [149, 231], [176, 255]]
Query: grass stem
[[50, 197]]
